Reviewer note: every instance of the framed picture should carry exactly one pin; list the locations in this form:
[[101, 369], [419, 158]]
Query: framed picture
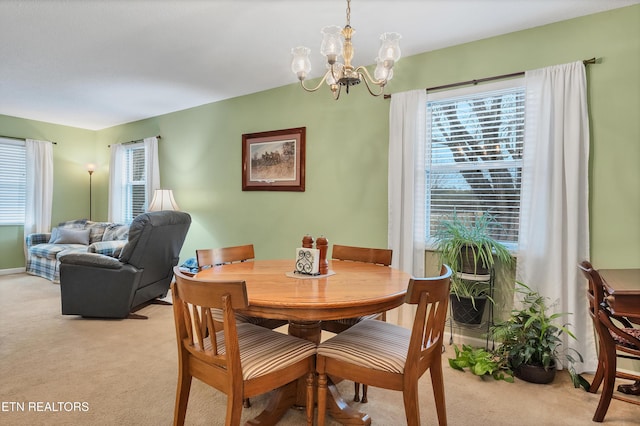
[[274, 161]]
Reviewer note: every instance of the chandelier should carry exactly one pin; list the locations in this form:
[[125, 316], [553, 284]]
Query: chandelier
[[336, 43]]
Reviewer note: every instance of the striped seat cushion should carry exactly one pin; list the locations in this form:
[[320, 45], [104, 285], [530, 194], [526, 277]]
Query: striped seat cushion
[[263, 351], [370, 343]]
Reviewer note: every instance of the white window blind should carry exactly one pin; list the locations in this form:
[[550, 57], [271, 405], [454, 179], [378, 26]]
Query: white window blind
[[474, 157], [134, 177], [13, 180]]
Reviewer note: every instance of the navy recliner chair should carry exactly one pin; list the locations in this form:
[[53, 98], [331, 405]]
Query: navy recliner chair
[[94, 285]]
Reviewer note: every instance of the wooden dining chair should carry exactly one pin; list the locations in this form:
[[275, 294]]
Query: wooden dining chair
[[390, 356], [208, 258], [366, 255], [242, 359], [617, 339]]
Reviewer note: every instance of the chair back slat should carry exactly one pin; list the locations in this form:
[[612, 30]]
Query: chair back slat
[[219, 256], [432, 297], [194, 299], [362, 254], [437, 313], [196, 323]]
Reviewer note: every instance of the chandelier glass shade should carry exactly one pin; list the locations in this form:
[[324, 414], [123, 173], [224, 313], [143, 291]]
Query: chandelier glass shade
[[338, 50]]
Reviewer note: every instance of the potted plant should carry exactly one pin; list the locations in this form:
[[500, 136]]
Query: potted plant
[[467, 246], [481, 362], [531, 340]]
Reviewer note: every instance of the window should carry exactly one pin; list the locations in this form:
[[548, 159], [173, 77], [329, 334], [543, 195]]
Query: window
[[13, 181], [134, 194], [474, 156]]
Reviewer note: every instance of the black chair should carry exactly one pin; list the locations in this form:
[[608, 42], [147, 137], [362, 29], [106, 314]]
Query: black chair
[[94, 285]]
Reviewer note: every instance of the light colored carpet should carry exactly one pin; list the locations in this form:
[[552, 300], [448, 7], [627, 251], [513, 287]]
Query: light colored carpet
[[124, 372]]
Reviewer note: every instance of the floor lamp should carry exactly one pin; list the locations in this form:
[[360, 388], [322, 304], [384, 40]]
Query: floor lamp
[[90, 168]]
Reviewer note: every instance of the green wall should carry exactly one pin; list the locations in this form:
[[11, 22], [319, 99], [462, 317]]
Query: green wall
[[74, 149], [347, 145]]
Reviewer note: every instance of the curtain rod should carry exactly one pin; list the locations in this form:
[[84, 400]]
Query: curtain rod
[[134, 141], [21, 139], [483, 80]]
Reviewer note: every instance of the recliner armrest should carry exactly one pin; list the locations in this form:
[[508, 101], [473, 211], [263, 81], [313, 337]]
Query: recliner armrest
[[91, 259]]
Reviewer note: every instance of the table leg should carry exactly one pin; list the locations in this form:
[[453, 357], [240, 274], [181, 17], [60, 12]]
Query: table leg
[[308, 330], [341, 411], [283, 399]]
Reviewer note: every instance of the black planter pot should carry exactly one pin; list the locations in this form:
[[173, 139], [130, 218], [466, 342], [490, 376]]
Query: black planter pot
[[468, 263], [463, 309], [536, 373]]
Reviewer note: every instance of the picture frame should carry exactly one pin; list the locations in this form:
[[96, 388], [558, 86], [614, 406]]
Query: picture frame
[[274, 160]]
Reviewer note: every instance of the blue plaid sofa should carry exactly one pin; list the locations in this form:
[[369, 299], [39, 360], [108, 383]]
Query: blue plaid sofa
[[75, 236]]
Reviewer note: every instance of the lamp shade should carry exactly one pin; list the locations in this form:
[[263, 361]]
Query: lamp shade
[[163, 200]]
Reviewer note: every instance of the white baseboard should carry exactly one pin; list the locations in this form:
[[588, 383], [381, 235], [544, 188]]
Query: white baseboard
[[12, 271], [459, 340]]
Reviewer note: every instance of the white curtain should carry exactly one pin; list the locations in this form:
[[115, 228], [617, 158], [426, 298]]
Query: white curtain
[[554, 223], [39, 194], [406, 220], [116, 183], [116, 176], [152, 165]]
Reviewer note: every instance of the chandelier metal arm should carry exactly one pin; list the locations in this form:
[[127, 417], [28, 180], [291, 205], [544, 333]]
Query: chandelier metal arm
[[315, 88], [366, 77]]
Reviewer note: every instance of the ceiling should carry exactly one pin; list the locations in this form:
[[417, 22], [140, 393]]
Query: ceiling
[[98, 63]]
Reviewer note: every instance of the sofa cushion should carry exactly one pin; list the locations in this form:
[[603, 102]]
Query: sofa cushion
[[72, 236], [115, 232], [70, 224], [96, 230], [107, 248], [54, 236], [77, 223], [50, 251]]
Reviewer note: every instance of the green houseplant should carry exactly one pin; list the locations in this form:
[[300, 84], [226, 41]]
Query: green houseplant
[[531, 340], [467, 246], [481, 362]]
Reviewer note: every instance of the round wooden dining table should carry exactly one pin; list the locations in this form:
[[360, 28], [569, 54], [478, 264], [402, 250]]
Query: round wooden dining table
[[350, 289]]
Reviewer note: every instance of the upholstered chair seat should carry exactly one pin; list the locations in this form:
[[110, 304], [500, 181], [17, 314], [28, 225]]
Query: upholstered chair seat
[[620, 340], [263, 351], [387, 352]]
